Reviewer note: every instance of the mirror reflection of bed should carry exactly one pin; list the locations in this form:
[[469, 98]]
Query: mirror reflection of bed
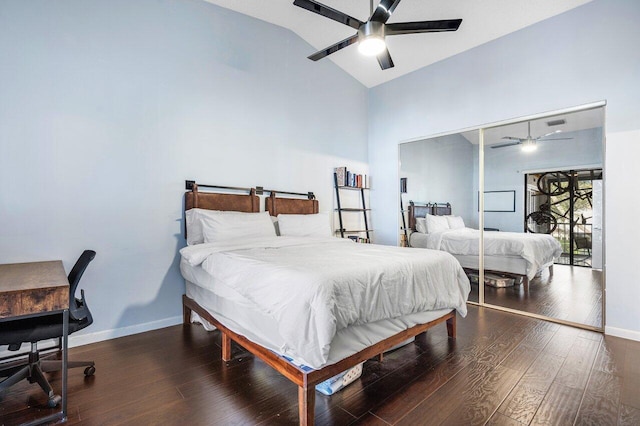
[[510, 258], [553, 191]]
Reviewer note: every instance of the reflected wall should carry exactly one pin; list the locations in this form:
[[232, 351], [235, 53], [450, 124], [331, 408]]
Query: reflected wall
[[442, 169]]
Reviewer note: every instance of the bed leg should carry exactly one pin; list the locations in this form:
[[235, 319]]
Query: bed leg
[[306, 405], [451, 326], [226, 347], [381, 357], [525, 283], [186, 314]]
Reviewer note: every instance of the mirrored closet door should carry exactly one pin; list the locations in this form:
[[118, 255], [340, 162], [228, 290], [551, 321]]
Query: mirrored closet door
[[439, 177], [540, 181], [543, 179]]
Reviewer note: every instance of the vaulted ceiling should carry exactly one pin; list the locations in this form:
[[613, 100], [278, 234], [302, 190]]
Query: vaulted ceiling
[[483, 21]]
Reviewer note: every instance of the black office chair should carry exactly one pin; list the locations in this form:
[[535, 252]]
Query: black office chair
[[33, 330]]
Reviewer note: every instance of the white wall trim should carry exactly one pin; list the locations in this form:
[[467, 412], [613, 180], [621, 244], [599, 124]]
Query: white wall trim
[[99, 336], [622, 332]]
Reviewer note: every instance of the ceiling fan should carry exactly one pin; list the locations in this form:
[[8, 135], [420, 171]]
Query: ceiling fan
[[529, 143], [371, 34]]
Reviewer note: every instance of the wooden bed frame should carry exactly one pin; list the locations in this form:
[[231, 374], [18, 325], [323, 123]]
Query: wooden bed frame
[[442, 209], [305, 380]]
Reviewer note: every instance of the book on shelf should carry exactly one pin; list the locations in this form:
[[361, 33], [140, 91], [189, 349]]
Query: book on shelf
[[346, 177], [341, 175], [352, 178]]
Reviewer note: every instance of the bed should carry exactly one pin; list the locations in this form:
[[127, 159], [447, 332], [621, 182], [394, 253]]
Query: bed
[[270, 294], [506, 253]]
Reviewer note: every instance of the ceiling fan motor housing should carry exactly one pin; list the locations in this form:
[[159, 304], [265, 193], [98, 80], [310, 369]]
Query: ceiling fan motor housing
[[371, 29], [371, 38]]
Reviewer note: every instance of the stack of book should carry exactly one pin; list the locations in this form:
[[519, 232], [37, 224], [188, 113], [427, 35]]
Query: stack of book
[[348, 178], [359, 239]]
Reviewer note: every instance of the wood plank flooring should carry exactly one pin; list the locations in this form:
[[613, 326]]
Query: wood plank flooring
[[503, 369], [573, 294]]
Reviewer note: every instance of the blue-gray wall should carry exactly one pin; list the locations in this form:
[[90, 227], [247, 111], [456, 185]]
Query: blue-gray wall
[[106, 107], [584, 55], [440, 170]]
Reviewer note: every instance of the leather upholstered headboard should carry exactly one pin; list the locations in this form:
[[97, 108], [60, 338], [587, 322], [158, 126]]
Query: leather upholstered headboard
[[421, 210], [417, 211], [248, 203], [277, 205], [441, 209]]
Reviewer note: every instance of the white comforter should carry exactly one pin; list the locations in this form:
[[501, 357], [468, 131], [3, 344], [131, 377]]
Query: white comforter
[[315, 287], [536, 249]]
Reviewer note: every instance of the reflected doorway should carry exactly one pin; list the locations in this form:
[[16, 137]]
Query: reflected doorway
[[568, 205]]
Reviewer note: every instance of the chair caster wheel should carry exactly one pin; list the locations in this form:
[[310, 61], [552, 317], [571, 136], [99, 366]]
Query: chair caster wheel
[[90, 371], [54, 401]]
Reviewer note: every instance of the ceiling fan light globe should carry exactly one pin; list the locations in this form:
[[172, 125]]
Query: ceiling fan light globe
[[529, 146], [371, 45]]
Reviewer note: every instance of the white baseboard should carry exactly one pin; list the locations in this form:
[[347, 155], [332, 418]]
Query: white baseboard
[[99, 336], [622, 332]]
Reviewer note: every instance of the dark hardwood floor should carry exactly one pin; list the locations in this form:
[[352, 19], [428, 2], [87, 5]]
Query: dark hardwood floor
[[572, 293], [503, 369]]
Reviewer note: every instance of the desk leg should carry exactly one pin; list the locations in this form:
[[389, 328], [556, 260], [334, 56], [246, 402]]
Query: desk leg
[[65, 369]]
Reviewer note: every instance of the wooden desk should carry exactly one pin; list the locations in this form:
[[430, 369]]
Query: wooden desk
[[33, 289]]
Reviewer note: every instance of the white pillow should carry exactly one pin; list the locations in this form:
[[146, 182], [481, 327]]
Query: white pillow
[[455, 222], [421, 225], [227, 225], [436, 223], [304, 225], [194, 226]]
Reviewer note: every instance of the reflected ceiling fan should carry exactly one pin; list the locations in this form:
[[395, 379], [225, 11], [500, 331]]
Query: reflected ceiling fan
[[529, 143], [371, 34]]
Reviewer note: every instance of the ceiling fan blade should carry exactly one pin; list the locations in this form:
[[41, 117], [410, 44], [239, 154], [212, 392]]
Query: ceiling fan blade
[[513, 138], [555, 139], [502, 145], [384, 59], [422, 27], [384, 10], [334, 48], [328, 12], [549, 134]]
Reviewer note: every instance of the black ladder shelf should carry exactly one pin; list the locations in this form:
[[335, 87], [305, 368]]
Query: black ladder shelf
[[341, 209]]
